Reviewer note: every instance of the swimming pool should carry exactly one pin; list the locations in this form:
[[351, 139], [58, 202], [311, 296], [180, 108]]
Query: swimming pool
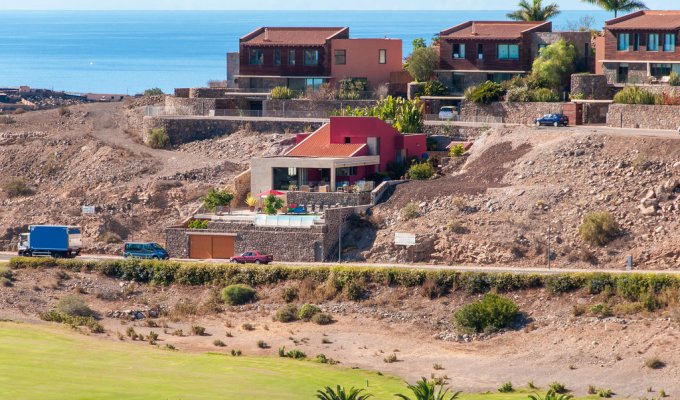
[[301, 221]]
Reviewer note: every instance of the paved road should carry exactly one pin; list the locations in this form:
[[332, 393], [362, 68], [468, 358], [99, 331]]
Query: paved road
[[5, 256]]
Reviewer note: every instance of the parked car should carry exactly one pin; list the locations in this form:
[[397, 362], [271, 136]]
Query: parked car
[[448, 112], [252, 257], [552, 119], [148, 250]]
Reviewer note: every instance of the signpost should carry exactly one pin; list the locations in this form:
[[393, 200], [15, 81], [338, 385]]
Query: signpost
[[405, 239], [89, 210]]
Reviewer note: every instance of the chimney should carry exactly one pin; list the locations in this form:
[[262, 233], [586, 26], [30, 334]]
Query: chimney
[[266, 34], [474, 29]]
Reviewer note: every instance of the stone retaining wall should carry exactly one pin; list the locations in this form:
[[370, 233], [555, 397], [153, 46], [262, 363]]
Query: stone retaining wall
[[302, 108], [188, 106], [329, 199], [183, 130], [591, 86], [643, 116], [511, 113]]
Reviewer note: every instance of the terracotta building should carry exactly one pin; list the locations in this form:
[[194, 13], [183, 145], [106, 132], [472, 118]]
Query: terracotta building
[[304, 58], [640, 47]]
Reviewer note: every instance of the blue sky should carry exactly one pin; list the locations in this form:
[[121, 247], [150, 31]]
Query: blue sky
[[294, 4]]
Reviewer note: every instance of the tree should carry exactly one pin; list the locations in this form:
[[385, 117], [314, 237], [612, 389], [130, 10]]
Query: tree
[[422, 63], [618, 5], [153, 92], [534, 11], [339, 393], [554, 66], [272, 204], [217, 198], [418, 43], [427, 390]]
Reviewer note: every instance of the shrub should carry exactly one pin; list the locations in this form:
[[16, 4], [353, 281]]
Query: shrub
[[391, 358], [287, 313], [518, 94], [435, 88], [544, 95], [637, 95], [238, 294], [295, 353], [674, 79], [555, 64], [290, 294], [153, 92], [74, 306], [62, 111], [490, 314], [354, 290], [236, 352], [654, 363], [248, 327], [601, 310], [421, 171], [411, 210], [19, 111], [218, 343], [217, 198], [262, 344], [456, 151], [307, 311], [158, 138], [73, 320], [486, 93], [563, 283], [6, 273], [272, 204], [506, 388], [198, 224], [283, 93], [6, 119], [16, 187], [197, 330], [322, 319], [421, 63], [557, 387], [152, 337], [598, 228]]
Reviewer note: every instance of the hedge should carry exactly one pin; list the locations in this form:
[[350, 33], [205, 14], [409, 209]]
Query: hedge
[[158, 272]]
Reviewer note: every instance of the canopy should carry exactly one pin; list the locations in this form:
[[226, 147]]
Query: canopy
[[270, 192]]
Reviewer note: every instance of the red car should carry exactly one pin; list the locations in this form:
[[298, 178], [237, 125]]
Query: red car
[[252, 257]]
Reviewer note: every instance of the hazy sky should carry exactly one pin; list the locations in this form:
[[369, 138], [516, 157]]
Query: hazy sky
[[293, 4]]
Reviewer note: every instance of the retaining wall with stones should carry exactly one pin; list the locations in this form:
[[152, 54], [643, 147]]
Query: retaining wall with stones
[[591, 86], [509, 112], [188, 129], [329, 199], [302, 108], [643, 116], [190, 106]]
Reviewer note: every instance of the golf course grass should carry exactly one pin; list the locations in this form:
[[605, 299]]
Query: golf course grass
[[52, 362]]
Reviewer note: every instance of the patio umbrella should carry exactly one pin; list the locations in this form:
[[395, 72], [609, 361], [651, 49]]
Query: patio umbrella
[[270, 191]]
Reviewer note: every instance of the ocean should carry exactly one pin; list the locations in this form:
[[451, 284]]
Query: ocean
[[129, 51]]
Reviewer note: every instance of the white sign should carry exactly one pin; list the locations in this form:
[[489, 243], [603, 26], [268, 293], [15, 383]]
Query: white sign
[[89, 209], [404, 239]]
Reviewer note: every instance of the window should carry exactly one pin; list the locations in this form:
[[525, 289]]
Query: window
[[458, 51], [480, 51], [653, 42], [291, 57], [277, 56], [457, 81], [382, 56], [348, 140], [623, 42], [508, 52], [346, 171], [340, 57], [541, 46], [669, 42], [660, 70], [256, 57], [636, 42], [314, 83], [311, 57]]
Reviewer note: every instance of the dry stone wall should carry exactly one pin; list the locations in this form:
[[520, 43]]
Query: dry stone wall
[[508, 112], [328, 199], [302, 108], [643, 116]]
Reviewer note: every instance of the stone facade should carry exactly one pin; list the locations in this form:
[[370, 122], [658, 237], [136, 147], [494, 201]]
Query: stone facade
[[458, 82], [643, 116], [302, 108], [329, 199], [595, 113], [637, 73], [188, 129], [585, 59], [511, 113], [591, 86], [189, 106]]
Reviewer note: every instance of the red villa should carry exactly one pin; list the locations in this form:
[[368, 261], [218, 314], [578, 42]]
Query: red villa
[[346, 151]]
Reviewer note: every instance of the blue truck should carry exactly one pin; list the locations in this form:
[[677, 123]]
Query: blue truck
[[51, 241]]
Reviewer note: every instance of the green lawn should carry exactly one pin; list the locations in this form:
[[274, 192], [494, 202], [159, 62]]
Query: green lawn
[[51, 362]]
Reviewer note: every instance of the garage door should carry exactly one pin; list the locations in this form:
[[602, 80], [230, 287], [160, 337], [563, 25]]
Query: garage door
[[209, 246]]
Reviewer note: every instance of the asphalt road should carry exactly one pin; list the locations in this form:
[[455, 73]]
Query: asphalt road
[[6, 256]]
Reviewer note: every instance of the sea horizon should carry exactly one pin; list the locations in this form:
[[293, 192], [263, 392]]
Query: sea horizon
[[129, 51]]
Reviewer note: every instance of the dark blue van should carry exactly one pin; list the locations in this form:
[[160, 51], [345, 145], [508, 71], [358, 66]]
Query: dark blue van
[[148, 250]]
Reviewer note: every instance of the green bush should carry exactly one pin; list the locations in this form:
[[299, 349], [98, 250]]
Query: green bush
[[307, 311], [563, 283], [490, 314], [544, 95], [354, 290], [283, 93], [198, 224], [295, 353], [421, 171], [74, 306], [322, 319], [272, 204], [456, 151], [16, 187], [421, 63], [557, 387], [674, 79], [435, 88], [289, 294], [554, 66], [287, 313], [506, 388], [410, 211], [486, 93], [158, 138], [518, 94], [598, 228], [217, 198], [637, 95], [153, 92], [238, 294], [73, 320]]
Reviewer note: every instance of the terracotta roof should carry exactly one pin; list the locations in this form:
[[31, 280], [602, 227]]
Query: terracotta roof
[[491, 29], [647, 19], [291, 36], [318, 144]]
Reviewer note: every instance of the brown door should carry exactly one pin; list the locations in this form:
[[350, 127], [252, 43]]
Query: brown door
[[222, 247], [200, 246]]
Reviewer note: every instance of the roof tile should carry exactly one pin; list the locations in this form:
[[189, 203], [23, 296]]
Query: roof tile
[[292, 36], [318, 144], [647, 19], [490, 29]]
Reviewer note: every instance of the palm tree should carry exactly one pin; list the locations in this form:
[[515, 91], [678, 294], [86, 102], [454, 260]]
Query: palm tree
[[551, 395], [339, 394], [427, 390], [618, 5], [534, 11]]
